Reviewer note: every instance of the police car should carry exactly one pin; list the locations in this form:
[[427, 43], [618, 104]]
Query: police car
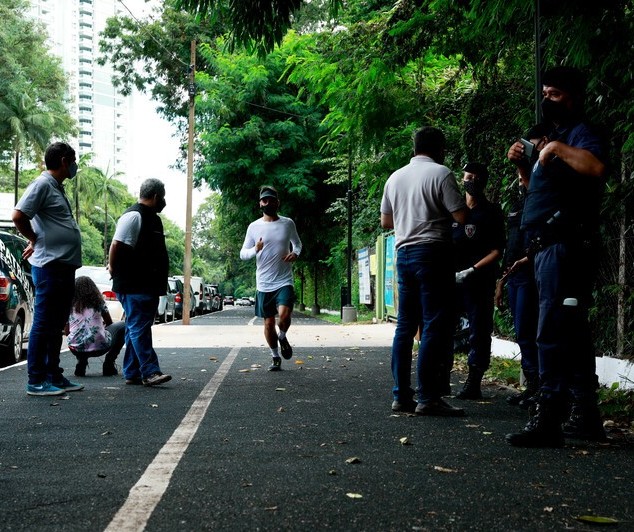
[[17, 297]]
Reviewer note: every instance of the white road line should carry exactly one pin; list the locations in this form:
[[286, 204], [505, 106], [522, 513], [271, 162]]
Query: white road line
[[148, 491], [252, 320]]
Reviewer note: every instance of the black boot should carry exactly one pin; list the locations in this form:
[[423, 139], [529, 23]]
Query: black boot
[[528, 396], [109, 369], [471, 388], [584, 423], [542, 430]]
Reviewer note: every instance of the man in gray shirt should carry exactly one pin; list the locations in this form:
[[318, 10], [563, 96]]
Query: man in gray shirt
[[43, 215], [420, 201]]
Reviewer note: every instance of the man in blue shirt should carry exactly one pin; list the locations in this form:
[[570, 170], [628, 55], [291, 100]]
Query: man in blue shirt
[[43, 215], [560, 220]]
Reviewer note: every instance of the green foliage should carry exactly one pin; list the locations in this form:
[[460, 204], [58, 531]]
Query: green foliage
[[616, 404], [91, 244], [32, 88]]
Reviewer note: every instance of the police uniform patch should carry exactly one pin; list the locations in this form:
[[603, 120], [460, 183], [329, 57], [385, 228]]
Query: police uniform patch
[[470, 230]]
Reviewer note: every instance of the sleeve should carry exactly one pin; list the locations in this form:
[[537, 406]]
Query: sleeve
[[452, 199], [248, 247], [294, 238], [386, 204], [128, 228], [32, 199]]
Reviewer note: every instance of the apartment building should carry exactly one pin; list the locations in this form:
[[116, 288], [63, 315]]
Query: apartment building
[[101, 112]]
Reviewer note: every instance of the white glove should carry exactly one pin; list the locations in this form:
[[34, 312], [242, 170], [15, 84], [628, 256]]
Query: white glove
[[461, 276]]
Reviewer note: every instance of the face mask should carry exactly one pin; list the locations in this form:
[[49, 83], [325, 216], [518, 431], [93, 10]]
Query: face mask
[[269, 209], [72, 170], [555, 112], [473, 188], [160, 205]]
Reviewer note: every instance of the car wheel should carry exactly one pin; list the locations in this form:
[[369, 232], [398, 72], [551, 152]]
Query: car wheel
[[13, 351]]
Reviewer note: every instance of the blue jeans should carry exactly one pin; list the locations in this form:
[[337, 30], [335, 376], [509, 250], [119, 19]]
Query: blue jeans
[[565, 347], [524, 309], [54, 289], [426, 287], [140, 359]]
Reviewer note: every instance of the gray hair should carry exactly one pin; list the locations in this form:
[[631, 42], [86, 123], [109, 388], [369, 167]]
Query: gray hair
[[151, 187]]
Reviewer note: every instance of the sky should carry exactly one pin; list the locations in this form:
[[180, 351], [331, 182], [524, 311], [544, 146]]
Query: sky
[[152, 151]]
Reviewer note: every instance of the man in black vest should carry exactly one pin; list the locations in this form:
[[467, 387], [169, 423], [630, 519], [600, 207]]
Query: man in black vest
[[139, 266]]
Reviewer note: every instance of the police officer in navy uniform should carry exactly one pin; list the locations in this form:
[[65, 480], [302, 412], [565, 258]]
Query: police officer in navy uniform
[[520, 281], [479, 244], [561, 218]]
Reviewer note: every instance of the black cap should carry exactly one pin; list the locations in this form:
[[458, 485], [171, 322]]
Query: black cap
[[268, 192], [478, 169], [567, 79]]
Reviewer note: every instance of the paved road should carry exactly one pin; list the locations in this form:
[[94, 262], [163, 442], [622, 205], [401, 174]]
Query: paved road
[[227, 445]]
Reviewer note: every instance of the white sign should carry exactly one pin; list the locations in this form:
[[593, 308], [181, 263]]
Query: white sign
[[365, 292]]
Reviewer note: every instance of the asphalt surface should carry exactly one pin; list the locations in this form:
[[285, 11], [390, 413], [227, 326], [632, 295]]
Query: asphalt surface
[[228, 445]]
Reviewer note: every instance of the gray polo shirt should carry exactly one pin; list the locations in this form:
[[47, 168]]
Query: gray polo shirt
[[421, 197], [58, 235]]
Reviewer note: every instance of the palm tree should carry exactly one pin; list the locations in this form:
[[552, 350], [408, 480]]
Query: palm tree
[[27, 126], [102, 189]]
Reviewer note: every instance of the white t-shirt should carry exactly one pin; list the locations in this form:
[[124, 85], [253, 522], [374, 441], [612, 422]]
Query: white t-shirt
[[421, 197], [272, 273], [128, 228]]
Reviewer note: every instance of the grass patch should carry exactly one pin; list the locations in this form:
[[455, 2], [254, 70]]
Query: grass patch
[[363, 317]]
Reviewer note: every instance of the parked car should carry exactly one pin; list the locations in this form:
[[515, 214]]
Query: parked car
[[101, 276], [228, 300], [213, 301], [243, 302], [176, 288], [17, 297], [166, 306], [198, 289]]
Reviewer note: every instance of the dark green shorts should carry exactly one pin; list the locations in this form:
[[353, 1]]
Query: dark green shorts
[[266, 303]]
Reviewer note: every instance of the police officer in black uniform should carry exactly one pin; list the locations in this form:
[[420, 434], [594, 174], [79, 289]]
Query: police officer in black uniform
[[560, 219], [479, 244], [520, 280]]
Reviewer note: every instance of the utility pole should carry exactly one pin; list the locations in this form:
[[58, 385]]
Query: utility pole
[[348, 312], [538, 62], [187, 265]]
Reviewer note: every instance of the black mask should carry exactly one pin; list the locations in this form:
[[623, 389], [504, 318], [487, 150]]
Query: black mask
[[473, 188], [555, 112], [269, 210]]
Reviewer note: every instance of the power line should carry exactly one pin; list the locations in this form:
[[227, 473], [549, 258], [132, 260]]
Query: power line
[[147, 32]]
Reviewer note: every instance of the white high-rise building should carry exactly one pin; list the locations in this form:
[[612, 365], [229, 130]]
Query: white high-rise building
[[101, 112]]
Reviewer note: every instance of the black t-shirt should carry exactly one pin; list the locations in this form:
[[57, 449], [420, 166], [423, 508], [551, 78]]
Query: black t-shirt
[[482, 232], [515, 244]]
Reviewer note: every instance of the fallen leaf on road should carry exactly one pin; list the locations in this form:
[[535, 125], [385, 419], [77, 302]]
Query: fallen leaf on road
[[244, 370], [405, 441], [332, 472], [354, 495], [213, 358], [353, 460], [597, 520], [154, 405], [281, 409], [271, 509], [310, 357], [299, 361], [280, 389], [445, 469], [548, 509], [472, 426], [107, 433], [486, 433], [203, 371], [255, 366]]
